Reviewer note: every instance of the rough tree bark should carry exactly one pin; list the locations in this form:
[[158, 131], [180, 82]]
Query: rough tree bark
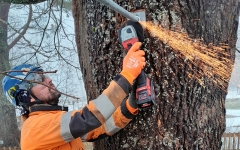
[[9, 132], [187, 115]]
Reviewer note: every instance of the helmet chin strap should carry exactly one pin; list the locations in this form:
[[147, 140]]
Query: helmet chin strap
[[24, 100], [37, 101], [53, 102], [53, 105], [28, 106]]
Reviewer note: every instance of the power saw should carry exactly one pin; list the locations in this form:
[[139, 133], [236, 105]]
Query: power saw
[[129, 33]]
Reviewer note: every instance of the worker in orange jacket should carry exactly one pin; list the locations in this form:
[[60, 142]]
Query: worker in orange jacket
[[50, 127]]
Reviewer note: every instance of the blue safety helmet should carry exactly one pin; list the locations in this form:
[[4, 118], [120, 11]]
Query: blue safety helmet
[[11, 85]]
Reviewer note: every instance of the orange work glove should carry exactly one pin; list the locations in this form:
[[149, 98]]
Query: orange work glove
[[133, 62]]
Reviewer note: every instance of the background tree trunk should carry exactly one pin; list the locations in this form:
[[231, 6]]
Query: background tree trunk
[[9, 132], [187, 115]]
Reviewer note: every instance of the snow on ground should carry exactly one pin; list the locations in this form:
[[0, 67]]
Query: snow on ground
[[233, 122]]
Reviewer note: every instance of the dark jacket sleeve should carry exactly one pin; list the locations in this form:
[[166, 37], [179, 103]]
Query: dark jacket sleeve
[[118, 120]]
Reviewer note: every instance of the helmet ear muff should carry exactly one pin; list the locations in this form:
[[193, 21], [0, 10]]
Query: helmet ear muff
[[22, 97]]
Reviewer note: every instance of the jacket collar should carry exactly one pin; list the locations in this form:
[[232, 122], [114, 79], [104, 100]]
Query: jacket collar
[[46, 107]]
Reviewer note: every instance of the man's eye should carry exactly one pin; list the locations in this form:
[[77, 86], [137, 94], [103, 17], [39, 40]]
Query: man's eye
[[43, 78], [38, 78]]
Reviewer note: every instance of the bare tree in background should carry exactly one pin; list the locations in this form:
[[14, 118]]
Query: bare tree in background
[[8, 128], [37, 34], [190, 111]]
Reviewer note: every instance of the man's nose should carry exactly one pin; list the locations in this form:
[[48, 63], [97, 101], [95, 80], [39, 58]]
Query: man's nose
[[48, 80]]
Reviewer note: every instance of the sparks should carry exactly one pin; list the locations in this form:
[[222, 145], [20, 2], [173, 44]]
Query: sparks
[[215, 63]]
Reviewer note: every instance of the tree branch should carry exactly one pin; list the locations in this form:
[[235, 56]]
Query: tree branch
[[38, 72], [56, 37], [26, 26], [24, 1], [237, 50], [32, 81]]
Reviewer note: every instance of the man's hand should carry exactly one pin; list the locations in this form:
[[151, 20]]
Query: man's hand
[[133, 62]]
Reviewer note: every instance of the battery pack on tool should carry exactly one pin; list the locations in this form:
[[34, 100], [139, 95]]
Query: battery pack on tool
[[145, 94]]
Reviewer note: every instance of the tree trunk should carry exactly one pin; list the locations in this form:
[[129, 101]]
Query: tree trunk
[[188, 114], [8, 124], [79, 14]]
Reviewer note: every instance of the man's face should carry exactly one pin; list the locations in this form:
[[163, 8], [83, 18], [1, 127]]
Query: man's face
[[46, 93]]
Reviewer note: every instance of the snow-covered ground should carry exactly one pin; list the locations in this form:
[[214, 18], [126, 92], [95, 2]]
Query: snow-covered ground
[[233, 121]]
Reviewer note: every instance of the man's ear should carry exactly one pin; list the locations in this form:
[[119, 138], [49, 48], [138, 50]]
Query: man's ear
[[32, 99]]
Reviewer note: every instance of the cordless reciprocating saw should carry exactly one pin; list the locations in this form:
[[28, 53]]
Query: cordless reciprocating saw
[[129, 33]]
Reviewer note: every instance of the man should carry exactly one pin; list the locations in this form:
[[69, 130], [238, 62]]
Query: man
[[51, 127]]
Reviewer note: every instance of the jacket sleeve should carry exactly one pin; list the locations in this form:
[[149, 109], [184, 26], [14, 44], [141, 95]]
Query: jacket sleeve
[[118, 120], [80, 122]]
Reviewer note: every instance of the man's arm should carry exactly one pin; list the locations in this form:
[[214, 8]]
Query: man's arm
[[98, 111], [118, 120]]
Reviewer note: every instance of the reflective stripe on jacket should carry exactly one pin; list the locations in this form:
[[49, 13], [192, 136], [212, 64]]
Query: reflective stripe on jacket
[[60, 130]]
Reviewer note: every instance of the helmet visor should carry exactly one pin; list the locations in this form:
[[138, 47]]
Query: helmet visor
[[34, 78]]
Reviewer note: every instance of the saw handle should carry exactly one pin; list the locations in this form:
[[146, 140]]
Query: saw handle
[[141, 79]]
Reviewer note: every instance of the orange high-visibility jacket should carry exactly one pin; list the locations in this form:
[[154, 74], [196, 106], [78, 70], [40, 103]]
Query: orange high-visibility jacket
[[61, 130]]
